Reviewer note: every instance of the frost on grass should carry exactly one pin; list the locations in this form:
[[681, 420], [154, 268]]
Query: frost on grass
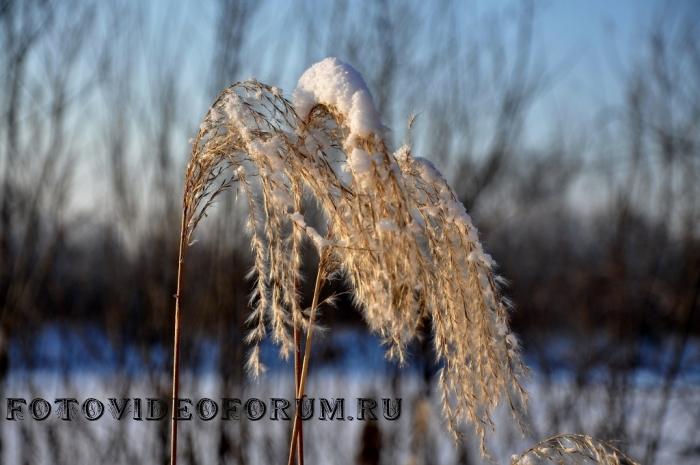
[[395, 230]]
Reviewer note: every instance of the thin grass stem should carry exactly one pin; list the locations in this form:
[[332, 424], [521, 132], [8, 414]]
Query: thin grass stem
[[296, 429], [297, 379], [176, 338]]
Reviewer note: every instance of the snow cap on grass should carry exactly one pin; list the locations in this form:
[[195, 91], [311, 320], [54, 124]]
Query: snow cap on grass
[[331, 81]]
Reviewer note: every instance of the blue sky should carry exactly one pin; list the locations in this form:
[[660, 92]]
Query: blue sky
[[588, 45]]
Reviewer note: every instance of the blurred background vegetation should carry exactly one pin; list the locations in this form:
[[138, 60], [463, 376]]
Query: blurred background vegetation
[[571, 131]]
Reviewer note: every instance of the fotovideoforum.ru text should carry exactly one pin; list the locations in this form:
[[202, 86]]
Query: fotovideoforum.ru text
[[203, 409]]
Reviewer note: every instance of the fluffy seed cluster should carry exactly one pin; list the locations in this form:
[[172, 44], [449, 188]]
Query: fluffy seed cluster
[[396, 231], [572, 449]]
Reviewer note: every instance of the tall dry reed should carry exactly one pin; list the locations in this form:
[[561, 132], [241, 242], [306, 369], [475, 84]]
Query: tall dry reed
[[394, 229]]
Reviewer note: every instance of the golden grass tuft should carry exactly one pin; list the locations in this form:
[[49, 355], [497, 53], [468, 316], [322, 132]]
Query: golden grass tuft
[[394, 229]]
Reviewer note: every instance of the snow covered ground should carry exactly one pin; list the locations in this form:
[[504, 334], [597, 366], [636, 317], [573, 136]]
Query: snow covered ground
[[330, 442], [67, 364]]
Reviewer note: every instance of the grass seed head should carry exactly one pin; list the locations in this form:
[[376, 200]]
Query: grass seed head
[[399, 234]]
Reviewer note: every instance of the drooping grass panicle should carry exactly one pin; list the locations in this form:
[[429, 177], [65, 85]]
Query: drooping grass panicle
[[572, 449], [481, 363], [399, 234], [396, 231]]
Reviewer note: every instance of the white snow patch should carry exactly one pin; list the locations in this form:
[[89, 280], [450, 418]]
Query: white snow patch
[[335, 83], [361, 164], [315, 237]]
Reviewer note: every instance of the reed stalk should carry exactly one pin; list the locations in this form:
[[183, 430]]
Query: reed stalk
[[176, 338], [296, 429], [297, 379]]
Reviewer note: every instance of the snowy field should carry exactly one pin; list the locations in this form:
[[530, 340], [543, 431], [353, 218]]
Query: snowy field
[[416, 437], [67, 364]]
